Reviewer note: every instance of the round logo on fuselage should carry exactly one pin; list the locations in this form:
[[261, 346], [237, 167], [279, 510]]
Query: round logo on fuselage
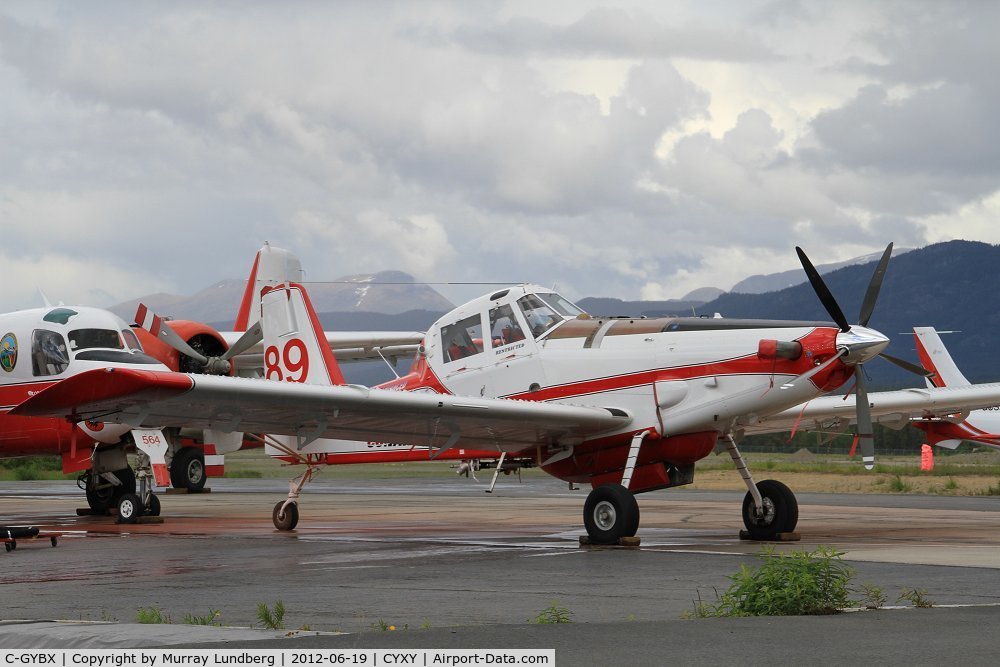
[[8, 351]]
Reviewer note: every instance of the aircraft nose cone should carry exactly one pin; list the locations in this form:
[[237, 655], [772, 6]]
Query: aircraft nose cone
[[862, 343]]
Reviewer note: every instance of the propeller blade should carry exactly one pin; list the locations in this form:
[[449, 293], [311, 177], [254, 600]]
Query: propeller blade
[[907, 366], [871, 296], [250, 337], [155, 325], [864, 415], [822, 291]]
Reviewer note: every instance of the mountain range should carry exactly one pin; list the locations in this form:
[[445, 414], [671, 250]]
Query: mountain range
[[954, 286]]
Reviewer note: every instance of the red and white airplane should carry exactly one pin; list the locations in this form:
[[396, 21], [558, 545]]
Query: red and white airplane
[[980, 426], [39, 348], [626, 405]]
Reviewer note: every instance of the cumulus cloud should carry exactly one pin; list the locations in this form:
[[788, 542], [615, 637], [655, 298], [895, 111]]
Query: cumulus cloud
[[611, 152]]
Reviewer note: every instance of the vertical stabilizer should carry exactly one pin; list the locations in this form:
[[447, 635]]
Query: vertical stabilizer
[[271, 267], [295, 347], [934, 357]]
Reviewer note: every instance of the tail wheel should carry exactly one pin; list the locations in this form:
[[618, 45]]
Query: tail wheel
[[187, 470], [610, 514], [780, 512], [287, 519], [129, 508]]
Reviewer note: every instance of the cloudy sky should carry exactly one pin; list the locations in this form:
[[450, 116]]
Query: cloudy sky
[[637, 149]]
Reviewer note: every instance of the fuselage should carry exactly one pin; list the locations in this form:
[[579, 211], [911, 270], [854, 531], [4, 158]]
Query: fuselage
[[683, 380]]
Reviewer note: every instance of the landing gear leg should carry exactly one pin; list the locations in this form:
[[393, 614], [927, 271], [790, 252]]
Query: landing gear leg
[[286, 513], [133, 505], [770, 507]]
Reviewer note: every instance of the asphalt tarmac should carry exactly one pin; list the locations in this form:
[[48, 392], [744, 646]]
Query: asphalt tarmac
[[442, 562]]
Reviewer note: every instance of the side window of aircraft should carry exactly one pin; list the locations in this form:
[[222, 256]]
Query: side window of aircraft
[[504, 328], [83, 339], [48, 353], [131, 341], [462, 339], [540, 317]]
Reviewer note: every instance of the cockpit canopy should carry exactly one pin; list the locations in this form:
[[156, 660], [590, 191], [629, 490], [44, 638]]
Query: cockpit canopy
[[501, 319], [98, 336]]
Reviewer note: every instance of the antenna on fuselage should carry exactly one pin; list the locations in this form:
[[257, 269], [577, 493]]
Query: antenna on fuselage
[[45, 300]]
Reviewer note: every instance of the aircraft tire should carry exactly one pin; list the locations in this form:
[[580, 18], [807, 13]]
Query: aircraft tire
[[610, 513], [781, 511], [154, 506], [99, 500], [287, 520], [129, 508], [187, 470]]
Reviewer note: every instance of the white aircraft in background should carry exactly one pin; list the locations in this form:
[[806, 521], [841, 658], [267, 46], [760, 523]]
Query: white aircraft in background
[[981, 426]]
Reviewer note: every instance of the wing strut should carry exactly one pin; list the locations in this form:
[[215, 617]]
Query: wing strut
[[633, 456], [496, 472]]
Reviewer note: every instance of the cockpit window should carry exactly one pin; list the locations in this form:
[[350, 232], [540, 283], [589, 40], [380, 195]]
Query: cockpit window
[[540, 317], [462, 339], [504, 328], [84, 339], [561, 305], [131, 341], [48, 353]]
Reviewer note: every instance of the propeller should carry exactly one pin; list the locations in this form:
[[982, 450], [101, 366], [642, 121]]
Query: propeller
[[219, 365], [856, 344]]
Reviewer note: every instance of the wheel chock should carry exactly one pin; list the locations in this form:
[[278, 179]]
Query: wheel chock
[[623, 543], [145, 518], [172, 490], [777, 537], [86, 511]]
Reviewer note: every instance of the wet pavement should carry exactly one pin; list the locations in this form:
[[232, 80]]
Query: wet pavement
[[439, 555]]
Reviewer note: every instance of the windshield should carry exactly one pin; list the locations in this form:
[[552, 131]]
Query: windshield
[[131, 340], [540, 316], [561, 305], [84, 339]]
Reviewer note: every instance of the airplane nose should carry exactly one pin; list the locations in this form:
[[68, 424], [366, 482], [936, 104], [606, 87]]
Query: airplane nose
[[861, 343]]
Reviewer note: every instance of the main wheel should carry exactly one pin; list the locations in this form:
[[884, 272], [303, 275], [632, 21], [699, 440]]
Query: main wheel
[[610, 514], [288, 519], [99, 499], [780, 515], [187, 470], [129, 508], [154, 506], [102, 495]]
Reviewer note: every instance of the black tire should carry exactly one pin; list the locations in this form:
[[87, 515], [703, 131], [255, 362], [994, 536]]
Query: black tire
[[610, 514], [781, 511], [99, 500], [129, 508], [288, 519], [54, 540], [9, 546], [153, 509], [187, 470], [102, 499]]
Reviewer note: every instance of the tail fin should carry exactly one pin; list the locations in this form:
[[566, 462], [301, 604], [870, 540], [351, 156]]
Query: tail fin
[[934, 357], [295, 348], [271, 267]]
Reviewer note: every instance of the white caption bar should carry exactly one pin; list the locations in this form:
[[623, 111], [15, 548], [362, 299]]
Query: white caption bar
[[274, 657]]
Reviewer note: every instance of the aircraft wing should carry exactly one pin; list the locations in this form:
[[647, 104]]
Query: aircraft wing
[[164, 399], [892, 408], [352, 345]]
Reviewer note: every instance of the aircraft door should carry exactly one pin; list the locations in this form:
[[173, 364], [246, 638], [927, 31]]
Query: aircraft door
[[463, 356], [515, 366]]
